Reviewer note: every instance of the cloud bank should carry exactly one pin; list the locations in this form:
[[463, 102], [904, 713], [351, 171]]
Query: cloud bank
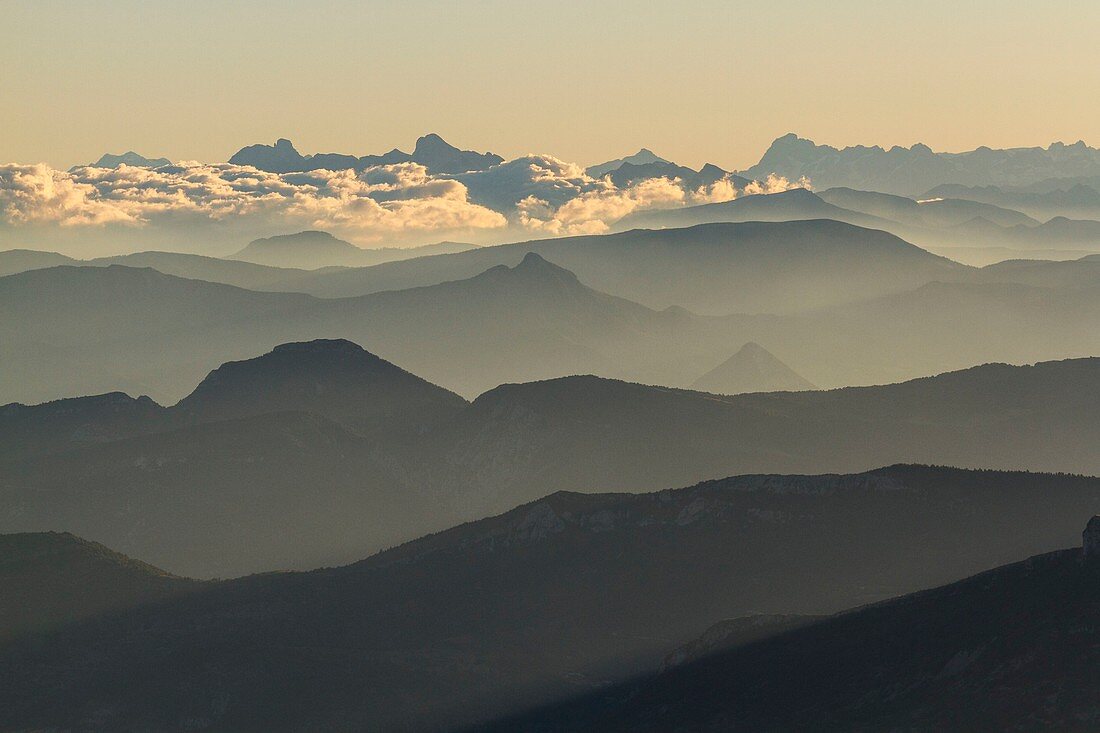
[[533, 194]]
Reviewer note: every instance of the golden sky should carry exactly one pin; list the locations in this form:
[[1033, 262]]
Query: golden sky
[[589, 80]]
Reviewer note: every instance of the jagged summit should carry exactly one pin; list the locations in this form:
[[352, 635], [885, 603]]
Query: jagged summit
[[431, 151]]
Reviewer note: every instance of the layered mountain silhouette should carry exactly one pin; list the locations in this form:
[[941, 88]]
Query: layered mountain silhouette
[[986, 653], [578, 432], [934, 212], [311, 250], [142, 332], [561, 596], [751, 369], [431, 151], [1074, 198], [747, 267], [310, 435], [911, 171], [317, 439]]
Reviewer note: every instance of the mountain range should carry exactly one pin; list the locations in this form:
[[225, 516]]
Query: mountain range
[[431, 151], [545, 602], [373, 444], [912, 171], [487, 316]]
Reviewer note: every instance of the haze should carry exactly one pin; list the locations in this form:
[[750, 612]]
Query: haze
[[711, 81]]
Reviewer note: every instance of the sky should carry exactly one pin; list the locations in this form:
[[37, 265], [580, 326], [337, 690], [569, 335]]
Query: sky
[[586, 81]]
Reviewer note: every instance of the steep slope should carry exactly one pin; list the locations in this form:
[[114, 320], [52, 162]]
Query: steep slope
[[1010, 649], [52, 579], [333, 378], [522, 609], [751, 369], [748, 267]]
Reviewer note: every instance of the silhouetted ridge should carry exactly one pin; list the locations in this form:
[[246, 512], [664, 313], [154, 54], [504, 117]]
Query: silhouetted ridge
[[27, 430], [567, 589], [331, 377], [55, 578], [983, 654]]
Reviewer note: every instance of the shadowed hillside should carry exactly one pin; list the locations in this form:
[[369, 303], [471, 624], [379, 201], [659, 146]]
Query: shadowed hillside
[[1009, 649], [546, 600]]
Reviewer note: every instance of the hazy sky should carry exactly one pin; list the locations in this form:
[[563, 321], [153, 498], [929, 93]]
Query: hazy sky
[[584, 80]]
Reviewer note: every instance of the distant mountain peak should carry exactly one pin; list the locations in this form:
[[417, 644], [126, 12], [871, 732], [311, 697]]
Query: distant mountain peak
[[751, 369], [130, 158], [644, 156], [335, 378], [432, 141], [320, 346]]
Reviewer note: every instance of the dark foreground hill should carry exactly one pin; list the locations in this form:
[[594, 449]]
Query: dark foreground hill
[[296, 458], [1014, 648], [52, 579], [553, 598]]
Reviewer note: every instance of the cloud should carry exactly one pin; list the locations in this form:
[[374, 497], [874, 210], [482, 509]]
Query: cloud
[[594, 210], [775, 184], [35, 194], [378, 201], [534, 193]]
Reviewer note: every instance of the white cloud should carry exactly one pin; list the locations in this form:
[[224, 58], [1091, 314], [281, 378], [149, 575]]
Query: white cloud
[[389, 199], [535, 193]]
